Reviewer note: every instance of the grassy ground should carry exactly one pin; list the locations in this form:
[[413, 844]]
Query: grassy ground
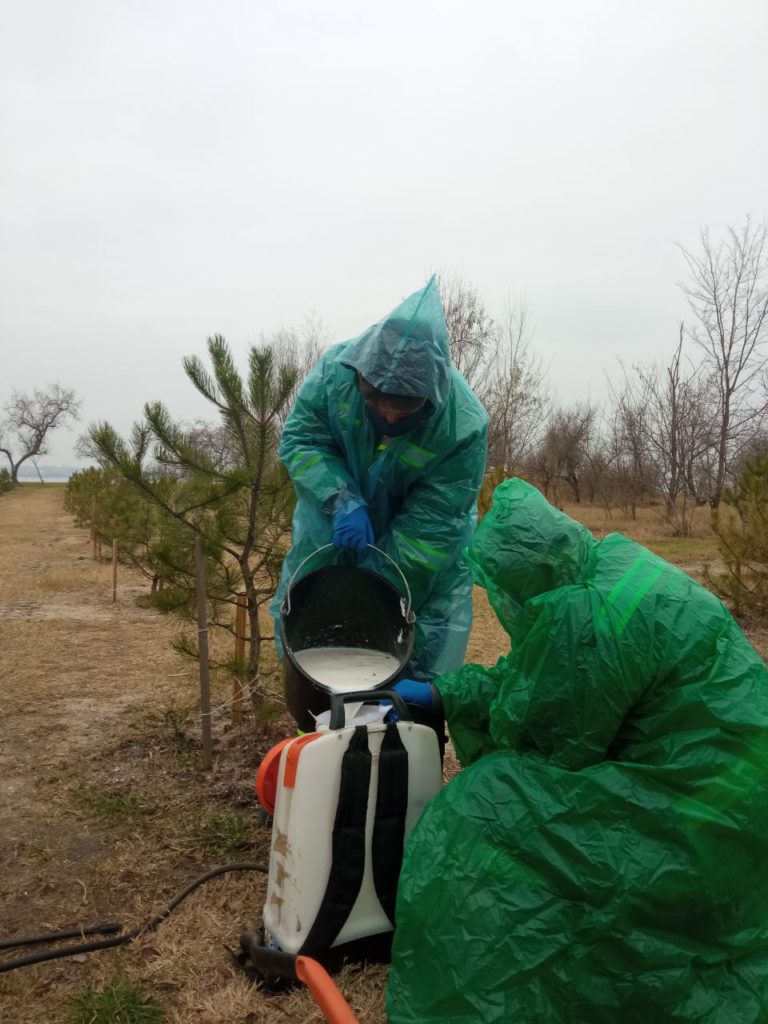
[[105, 811]]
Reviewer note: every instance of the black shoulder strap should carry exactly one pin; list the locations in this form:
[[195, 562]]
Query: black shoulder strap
[[389, 824], [348, 846]]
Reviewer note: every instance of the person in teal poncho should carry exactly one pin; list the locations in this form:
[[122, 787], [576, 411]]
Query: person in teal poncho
[[603, 856], [386, 445]]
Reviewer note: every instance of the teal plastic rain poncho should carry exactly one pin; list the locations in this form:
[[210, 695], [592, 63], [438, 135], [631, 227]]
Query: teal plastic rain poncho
[[603, 858], [420, 489]]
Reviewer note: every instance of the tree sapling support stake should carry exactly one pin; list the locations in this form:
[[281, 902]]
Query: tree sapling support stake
[[202, 633], [237, 687], [93, 526]]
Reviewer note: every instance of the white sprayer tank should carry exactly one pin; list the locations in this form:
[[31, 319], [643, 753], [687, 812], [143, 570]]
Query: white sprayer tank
[[305, 809]]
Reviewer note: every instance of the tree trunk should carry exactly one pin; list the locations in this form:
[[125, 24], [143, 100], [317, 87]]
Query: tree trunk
[[254, 631], [254, 653], [722, 454]]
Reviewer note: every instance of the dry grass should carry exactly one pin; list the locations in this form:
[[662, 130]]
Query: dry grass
[[650, 528], [105, 812]]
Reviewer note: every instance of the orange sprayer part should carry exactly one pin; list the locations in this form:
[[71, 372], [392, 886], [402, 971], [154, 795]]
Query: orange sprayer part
[[331, 1002], [266, 777], [293, 755]]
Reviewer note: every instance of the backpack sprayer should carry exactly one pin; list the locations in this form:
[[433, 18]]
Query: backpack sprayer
[[345, 796]]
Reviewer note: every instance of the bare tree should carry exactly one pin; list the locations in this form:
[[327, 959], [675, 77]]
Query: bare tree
[[633, 471], [515, 399], [682, 411], [29, 420], [727, 290], [297, 348], [660, 436], [563, 454], [472, 332], [597, 475], [497, 361]]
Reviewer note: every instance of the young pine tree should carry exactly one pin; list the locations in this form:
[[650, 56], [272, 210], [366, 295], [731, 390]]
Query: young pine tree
[[743, 541], [235, 495]]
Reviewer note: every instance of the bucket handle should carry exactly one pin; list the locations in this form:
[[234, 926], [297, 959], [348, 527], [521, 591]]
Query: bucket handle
[[409, 616]]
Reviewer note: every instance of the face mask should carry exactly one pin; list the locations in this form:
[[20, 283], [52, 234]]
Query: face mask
[[396, 429]]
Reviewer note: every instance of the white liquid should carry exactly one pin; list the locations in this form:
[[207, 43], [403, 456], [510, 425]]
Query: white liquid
[[344, 669]]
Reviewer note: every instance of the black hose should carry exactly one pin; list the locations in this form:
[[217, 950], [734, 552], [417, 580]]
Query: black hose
[[107, 928], [92, 947]]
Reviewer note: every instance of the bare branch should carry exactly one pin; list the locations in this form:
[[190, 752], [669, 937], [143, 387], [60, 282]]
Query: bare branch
[[727, 291], [29, 419]]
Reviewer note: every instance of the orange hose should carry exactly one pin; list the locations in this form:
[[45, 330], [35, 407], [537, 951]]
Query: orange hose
[[334, 1006]]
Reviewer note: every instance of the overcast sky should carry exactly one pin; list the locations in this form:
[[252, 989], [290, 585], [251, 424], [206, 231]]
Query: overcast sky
[[169, 170]]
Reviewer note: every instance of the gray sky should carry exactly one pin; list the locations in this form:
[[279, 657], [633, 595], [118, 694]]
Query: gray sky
[[169, 170]]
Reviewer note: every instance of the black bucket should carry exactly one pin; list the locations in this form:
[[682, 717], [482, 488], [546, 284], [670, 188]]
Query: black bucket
[[340, 606]]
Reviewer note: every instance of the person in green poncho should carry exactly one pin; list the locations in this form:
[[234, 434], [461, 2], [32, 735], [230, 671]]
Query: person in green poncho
[[603, 856], [386, 446]]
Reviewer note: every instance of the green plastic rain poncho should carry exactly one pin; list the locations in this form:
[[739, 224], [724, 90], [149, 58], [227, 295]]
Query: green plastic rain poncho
[[420, 489], [603, 858]]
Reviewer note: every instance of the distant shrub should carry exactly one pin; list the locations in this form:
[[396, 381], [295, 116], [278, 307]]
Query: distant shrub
[[743, 541], [6, 483]]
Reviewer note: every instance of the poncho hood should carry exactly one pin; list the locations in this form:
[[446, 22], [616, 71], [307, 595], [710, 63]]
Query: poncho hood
[[407, 353], [523, 548]]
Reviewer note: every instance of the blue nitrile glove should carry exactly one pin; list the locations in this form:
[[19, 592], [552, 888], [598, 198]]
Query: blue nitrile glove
[[414, 692], [417, 694], [353, 530]]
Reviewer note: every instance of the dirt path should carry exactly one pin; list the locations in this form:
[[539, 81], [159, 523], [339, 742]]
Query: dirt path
[[74, 666], [104, 812]]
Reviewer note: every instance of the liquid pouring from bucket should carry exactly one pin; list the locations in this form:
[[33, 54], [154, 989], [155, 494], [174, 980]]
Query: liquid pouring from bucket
[[343, 629]]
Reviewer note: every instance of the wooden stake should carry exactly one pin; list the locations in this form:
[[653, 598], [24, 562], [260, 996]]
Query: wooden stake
[[93, 526], [114, 569], [202, 634], [237, 686]]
